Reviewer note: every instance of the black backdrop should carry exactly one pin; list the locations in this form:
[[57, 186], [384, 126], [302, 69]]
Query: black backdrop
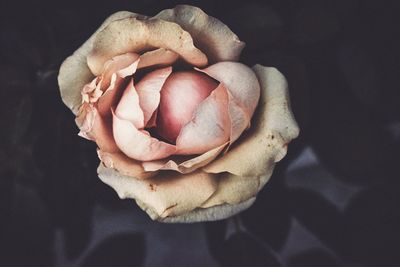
[[333, 201]]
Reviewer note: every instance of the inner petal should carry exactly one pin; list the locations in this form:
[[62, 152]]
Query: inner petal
[[181, 94]]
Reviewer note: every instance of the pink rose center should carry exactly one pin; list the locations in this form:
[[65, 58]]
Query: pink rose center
[[181, 94]]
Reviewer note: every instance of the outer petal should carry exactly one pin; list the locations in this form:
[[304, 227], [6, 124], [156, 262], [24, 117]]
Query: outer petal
[[93, 127], [148, 90], [124, 165], [168, 194], [215, 213], [140, 34], [128, 107], [233, 189], [273, 128], [244, 92], [210, 126], [209, 34], [137, 144], [74, 71], [158, 57]]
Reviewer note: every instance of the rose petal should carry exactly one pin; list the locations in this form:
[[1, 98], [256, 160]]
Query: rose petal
[[124, 165], [149, 89], [233, 189], [128, 107], [153, 120], [139, 34], [186, 166], [110, 97], [123, 65], [212, 36], [244, 92], [91, 92], [215, 213], [210, 126], [158, 57], [273, 128], [137, 144], [74, 71], [167, 194], [93, 127], [180, 96]]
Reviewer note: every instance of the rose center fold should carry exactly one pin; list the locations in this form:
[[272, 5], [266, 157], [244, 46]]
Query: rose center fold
[[181, 94]]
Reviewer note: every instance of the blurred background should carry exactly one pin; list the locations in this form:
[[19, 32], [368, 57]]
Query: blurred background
[[332, 201]]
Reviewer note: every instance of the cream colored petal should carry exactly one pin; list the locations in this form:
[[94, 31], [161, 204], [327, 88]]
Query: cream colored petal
[[273, 128], [140, 34], [167, 194], [210, 126], [129, 108], [124, 165], [148, 90], [111, 95], [215, 213], [93, 127], [74, 71], [137, 144], [233, 189], [186, 166], [244, 92], [158, 57], [212, 36]]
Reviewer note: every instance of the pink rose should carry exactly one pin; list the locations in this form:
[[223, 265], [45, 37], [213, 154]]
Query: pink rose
[[181, 126]]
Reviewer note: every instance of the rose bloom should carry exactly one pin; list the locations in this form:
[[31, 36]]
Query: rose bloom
[[181, 126]]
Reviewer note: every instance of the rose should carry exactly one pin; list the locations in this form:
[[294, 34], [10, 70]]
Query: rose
[[170, 109]]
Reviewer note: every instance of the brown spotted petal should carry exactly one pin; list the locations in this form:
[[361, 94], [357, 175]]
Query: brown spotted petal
[[250, 163], [273, 128], [209, 214], [166, 195], [244, 170], [212, 36], [123, 164], [139, 34]]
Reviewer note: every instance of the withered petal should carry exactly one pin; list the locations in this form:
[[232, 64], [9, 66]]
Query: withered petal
[[164, 195], [124, 165], [140, 34], [212, 36], [157, 57], [74, 72], [273, 128]]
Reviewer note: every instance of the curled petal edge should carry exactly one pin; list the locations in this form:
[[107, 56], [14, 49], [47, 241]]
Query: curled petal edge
[[75, 73]]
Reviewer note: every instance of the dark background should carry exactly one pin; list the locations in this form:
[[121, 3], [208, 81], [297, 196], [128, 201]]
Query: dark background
[[333, 201]]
